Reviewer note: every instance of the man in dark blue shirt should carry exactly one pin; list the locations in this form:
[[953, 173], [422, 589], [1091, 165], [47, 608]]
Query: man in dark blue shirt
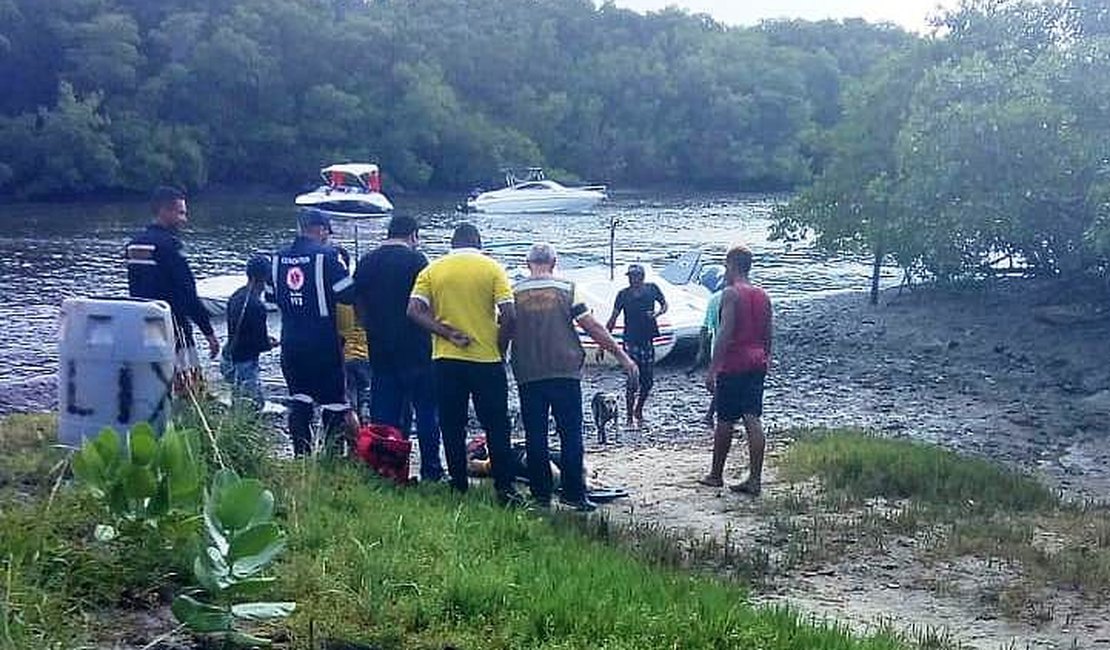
[[246, 332], [400, 350], [637, 301], [308, 281], [157, 270]]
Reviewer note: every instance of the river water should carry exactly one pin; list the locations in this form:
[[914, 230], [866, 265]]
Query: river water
[[49, 252]]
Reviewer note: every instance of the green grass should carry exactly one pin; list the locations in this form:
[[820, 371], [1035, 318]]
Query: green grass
[[954, 505], [51, 570], [427, 569], [862, 466], [372, 564]]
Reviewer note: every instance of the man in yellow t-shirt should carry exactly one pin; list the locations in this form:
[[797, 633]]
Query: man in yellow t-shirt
[[464, 299]]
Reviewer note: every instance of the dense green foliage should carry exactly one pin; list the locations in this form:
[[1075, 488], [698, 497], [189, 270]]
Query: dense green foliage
[[986, 144], [122, 94]]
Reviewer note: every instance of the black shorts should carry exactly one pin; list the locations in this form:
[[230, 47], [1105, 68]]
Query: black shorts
[[315, 373], [740, 395], [643, 355]]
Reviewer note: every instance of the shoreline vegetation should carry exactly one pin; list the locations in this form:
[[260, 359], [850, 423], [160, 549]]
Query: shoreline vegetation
[[441, 94], [980, 144], [371, 565]]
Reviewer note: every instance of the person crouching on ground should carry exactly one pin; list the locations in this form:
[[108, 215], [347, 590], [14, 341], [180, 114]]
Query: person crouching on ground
[[247, 336], [309, 280], [638, 301], [738, 368], [465, 300], [547, 358]]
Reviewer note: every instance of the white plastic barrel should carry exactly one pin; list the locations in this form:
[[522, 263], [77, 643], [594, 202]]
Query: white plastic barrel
[[115, 366]]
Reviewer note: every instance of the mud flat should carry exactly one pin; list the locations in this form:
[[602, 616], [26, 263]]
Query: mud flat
[[1017, 374]]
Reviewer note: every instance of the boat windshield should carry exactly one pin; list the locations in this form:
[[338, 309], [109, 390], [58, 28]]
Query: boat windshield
[[344, 179], [533, 174]]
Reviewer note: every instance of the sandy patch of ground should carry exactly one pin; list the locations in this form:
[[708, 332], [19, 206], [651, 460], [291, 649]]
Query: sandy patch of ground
[[865, 588], [1019, 374]]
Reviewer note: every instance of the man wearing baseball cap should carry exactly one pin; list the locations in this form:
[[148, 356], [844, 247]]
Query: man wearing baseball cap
[[637, 302], [308, 281], [247, 337]]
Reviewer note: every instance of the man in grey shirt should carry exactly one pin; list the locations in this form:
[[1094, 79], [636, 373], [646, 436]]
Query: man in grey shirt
[[547, 359]]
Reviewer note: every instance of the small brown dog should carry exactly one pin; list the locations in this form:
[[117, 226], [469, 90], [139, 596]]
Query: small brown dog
[[606, 408]]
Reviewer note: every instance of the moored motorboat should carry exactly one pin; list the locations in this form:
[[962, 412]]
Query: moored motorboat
[[535, 193], [350, 190], [598, 285]]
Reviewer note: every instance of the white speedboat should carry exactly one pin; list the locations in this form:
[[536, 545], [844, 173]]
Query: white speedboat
[[349, 190], [214, 292], [535, 193], [680, 326]]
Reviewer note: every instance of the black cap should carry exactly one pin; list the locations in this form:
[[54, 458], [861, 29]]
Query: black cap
[[635, 269], [314, 217]]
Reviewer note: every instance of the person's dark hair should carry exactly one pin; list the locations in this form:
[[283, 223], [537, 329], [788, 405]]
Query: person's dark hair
[[402, 226], [741, 256], [163, 196], [258, 267], [466, 236]]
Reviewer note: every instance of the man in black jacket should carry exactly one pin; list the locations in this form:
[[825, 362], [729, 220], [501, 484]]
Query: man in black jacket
[[157, 270]]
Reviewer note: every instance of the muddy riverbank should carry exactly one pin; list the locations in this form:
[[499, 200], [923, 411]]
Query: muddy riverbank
[[1018, 374]]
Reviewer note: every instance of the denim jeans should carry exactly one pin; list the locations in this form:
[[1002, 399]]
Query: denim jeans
[[395, 392], [457, 382], [563, 399], [244, 380], [358, 376]]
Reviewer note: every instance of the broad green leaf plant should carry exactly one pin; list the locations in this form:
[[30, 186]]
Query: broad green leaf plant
[[242, 541], [152, 488], [144, 482]]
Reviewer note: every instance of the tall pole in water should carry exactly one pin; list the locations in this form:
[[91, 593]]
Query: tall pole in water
[[612, 245]]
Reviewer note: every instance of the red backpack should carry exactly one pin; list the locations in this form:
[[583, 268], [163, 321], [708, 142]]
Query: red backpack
[[385, 450]]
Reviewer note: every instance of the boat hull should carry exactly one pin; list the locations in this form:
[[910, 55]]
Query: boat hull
[[347, 204], [681, 325], [491, 203]]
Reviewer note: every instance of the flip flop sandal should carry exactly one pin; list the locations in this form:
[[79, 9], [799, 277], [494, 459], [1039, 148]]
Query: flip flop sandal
[[604, 493]]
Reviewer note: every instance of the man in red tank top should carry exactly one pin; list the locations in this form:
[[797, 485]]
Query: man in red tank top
[[741, 357]]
